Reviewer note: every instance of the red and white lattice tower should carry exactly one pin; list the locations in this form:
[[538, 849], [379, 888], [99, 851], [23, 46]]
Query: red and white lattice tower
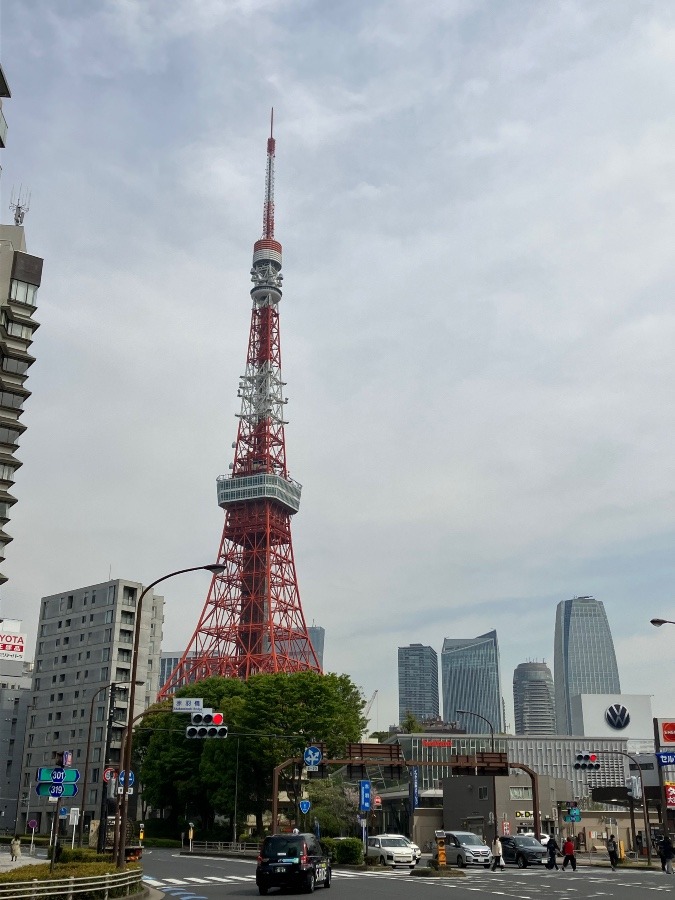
[[252, 620]]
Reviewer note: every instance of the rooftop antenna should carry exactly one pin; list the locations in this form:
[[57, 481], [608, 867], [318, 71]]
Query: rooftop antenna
[[268, 208], [19, 207]]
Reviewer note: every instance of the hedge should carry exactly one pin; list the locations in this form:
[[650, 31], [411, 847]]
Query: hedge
[[344, 852]]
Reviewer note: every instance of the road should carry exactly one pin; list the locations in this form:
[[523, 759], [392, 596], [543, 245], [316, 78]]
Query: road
[[207, 878]]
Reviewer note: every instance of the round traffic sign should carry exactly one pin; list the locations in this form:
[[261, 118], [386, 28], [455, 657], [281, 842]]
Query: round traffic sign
[[312, 756], [33, 824], [109, 774], [63, 812], [122, 778]]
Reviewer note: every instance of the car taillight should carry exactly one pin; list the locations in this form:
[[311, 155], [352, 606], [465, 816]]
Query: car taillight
[[261, 859], [304, 859]]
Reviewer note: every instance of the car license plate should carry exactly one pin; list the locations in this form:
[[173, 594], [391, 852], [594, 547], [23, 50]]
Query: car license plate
[[280, 870]]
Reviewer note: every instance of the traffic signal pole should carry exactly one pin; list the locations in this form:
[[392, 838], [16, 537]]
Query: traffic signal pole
[[644, 796]]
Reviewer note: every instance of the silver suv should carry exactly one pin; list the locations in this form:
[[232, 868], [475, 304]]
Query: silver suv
[[466, 849]]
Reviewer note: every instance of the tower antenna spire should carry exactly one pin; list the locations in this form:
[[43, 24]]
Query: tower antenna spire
[[268, 206]]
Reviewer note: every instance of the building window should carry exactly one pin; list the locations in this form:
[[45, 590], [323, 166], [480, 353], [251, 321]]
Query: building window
[[109, 615], [104, 674], [22, 292], [93, 795], [97, 754], [520, 793], [98, 733], [482, 792], [59, 696]]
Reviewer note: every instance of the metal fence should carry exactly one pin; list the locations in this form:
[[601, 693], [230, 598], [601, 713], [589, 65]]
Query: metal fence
[[222, 847], [123, 884]]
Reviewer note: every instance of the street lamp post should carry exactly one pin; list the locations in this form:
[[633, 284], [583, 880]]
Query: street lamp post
[[215, 569], [470, 712], [85, 784], [657, 746]]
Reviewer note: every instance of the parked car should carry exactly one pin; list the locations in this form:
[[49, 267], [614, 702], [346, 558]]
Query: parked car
[[523, 850], [390, 850], [466, 849], [292, 860], [417, 853]]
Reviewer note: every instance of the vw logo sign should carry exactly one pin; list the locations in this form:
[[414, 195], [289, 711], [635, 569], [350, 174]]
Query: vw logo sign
[[617, 716]]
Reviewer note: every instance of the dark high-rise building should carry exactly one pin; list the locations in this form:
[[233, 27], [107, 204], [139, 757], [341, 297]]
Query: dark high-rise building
[[533, 699], [417, 682], [471, 681], [584, 661]]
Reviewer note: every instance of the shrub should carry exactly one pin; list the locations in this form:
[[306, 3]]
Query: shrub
[[161, 842], [344, 852]]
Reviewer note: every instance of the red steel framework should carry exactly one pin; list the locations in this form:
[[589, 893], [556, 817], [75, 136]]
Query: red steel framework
[[252, 620]]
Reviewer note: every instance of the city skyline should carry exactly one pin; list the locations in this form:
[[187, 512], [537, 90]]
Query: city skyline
[[478, 275]]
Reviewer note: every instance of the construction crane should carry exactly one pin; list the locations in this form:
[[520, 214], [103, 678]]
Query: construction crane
[[369, 705]]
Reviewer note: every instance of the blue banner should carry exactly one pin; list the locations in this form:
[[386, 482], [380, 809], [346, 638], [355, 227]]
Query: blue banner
[[414, 788], [364, 796], [666, 759]]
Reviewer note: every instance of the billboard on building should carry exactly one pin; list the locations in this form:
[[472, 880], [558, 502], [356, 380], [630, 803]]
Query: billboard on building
[[626, 716], [667, 731], [12, 646]]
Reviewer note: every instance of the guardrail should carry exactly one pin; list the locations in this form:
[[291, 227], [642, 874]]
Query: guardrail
[[98, 887], [223, 847]]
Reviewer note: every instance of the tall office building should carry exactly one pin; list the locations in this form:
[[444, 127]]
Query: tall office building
[[84, 646], [471, 681], [417, 682], [317, 635], [168, 661], [584, 661], [20, 276], [533, 699]]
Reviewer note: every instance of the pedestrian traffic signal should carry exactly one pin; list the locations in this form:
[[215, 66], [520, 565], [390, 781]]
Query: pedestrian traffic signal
[[587, 760], [633, 787], [206, 724]]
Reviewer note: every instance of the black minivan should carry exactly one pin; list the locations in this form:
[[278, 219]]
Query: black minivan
[[292, 860]]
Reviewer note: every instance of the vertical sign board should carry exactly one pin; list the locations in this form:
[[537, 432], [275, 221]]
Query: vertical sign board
[[670, 794], [414, 788], [364, 796]]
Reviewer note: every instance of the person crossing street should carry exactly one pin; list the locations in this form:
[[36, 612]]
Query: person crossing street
[[613, 851], [568, 853], [552, 849], [497, 854]]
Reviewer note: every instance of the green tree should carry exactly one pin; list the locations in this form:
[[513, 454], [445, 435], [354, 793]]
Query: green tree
[[271, 718], [335, 806], [410, 724]]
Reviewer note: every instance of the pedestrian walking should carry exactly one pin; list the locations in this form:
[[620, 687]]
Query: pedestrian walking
[[568, 853], [613, 851], [497, 854], [668, 853], [15, 847], [552, 849]]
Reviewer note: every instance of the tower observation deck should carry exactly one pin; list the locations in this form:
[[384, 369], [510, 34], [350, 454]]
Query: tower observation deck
[[252, 620]]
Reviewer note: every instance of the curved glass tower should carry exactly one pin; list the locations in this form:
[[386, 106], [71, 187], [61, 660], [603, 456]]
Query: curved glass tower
[[470, 675], [533, 699], [584, 661]]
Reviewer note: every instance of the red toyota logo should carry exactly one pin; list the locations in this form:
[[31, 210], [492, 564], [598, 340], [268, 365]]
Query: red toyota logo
[[668, 732]]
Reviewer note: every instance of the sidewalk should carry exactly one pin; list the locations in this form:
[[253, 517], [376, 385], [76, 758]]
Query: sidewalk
[[24, 860]]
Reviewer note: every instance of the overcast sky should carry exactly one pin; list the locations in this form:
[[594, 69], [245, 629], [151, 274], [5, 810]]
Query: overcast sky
[[477, 210]]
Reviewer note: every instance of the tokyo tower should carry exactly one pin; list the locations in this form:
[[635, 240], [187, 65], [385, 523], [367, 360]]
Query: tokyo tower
[[252, 620]]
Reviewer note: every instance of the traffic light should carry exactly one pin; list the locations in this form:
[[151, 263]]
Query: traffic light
[[587, 760], [206, 724], [633, 787]]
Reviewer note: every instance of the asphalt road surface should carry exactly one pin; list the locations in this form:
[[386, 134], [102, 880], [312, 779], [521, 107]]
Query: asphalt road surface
[[206, 878]]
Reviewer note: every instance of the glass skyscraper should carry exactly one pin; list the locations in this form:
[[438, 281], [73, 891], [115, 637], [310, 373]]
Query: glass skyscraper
[[417, 682], [533, 699], [584, 661], [470, 675]]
